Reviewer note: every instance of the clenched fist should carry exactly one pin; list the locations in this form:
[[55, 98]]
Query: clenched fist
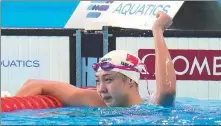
[[163, 21]]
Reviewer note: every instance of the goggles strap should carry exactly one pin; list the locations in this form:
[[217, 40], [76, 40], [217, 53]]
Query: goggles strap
[[146, 78]]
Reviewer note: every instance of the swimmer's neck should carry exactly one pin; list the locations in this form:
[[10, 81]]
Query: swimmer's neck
[[134, 100]]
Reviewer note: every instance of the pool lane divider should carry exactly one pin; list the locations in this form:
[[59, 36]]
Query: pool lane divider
[[13, 103], [29, 102]]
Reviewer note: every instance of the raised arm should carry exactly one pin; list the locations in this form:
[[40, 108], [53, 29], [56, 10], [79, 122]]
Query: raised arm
[[68, 94], [164, 68]]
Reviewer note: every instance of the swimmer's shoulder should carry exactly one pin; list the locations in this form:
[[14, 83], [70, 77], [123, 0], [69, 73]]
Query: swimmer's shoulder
[[87, 97]]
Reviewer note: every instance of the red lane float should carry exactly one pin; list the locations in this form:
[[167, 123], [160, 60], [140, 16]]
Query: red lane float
[[30, 102]]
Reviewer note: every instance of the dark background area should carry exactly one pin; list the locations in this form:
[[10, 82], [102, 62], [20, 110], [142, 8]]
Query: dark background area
[[198, 15]]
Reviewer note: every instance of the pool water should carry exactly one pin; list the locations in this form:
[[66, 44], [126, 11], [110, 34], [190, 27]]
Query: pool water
[[187, 111]]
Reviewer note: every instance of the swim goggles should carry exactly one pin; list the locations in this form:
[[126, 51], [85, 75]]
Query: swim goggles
[[106, 66]]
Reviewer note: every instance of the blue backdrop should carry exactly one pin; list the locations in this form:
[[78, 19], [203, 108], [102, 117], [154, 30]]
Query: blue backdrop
[[36, 14]]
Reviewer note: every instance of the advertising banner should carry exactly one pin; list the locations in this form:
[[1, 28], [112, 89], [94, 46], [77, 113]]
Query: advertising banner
[[200, 65], [33, 57], [126, 14]]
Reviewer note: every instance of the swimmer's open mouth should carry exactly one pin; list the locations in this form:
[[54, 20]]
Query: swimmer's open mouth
[[107, 98]]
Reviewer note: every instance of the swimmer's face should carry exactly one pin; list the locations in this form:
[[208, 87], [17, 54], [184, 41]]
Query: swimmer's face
[[111, 88]]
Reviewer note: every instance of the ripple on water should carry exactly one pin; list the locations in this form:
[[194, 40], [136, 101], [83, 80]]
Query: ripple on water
[[186, 112]]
